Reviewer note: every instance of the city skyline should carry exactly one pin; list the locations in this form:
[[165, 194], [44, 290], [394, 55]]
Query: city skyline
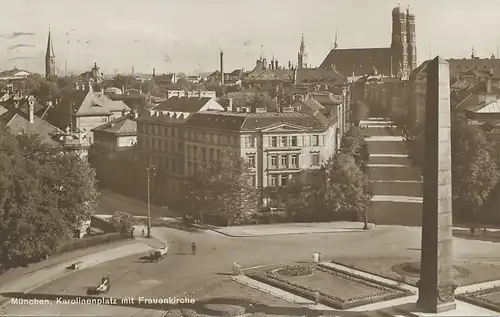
[[187, 36]]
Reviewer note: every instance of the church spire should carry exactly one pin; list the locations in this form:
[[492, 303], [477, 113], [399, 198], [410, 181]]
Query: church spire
[[335, 45], [302, 56], [50, 59]]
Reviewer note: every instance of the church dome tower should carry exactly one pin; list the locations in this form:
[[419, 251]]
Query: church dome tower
[[411, 39], [399, 45]]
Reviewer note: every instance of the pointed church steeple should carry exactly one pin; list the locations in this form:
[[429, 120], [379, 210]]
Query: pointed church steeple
[[50, 59], [302, 56]]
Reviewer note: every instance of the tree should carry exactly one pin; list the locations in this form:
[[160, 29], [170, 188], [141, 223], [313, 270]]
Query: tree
[[46, 196], [122, 222], [345, 185], [221, 189], [474, 169], [354, 144]]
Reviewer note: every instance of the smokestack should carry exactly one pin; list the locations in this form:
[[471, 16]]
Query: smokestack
[[154, 73], [231, 105], [222, 68]]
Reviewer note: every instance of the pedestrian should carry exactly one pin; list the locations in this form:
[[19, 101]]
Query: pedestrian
[[143, 232], [193, 248]]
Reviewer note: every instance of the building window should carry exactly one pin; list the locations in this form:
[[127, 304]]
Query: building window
[[284, 179], [315, 140], [293, 161], [284, 141], [294, 140], [293, 179], [218, 154], [274, 141], [284, 161], [251, 141], [203, 154], [195, 152], [251, 160], [315, 159], [274, 161], [253, 180], [211, 153], [179, 147], [273, 180], [188, 154]]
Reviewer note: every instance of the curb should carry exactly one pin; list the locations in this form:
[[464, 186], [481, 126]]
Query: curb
[[370, 228]]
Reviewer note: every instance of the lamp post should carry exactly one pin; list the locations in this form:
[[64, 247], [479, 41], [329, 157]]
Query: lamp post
[[151, 168], [365, 227]]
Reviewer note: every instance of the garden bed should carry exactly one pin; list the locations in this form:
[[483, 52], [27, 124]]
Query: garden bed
[[466, 272], [230, 298], [489, 298], [336, 289]]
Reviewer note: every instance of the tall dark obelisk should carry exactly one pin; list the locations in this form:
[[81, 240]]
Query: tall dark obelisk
[[435, 289]]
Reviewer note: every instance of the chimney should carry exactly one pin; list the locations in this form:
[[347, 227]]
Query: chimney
[[154, 73], [91, 89], [32, 112], [488, 83], [124, 112], [135, 114], [295, 76], [230, 108], [123, 89], [275, 64], [222, 68]]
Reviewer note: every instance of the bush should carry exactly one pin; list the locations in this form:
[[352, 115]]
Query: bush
[[91, 241], [122, 222]]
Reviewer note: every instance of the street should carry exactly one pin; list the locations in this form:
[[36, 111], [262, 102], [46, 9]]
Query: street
[[180, 272]]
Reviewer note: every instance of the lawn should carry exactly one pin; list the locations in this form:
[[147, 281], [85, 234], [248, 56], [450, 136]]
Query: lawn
[[230, 298], [489, 299], [336, 285], [468, 273]]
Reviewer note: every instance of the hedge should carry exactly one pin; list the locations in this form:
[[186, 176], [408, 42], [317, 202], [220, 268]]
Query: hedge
[[92, 241]]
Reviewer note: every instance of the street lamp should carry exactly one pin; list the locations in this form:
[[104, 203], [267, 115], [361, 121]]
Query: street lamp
[[150, 169], [365, 227]]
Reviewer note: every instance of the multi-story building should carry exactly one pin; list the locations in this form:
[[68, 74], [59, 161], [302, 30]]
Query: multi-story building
[[277, 146], [85, 109], [161, 141]]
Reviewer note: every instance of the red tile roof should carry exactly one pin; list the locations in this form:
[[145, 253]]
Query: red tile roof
[[359, 61]]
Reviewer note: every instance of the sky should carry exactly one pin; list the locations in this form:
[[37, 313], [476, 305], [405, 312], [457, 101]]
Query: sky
[[187, 35]]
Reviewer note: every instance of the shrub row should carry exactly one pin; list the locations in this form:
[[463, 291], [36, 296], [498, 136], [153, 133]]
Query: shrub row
[[92, 241]]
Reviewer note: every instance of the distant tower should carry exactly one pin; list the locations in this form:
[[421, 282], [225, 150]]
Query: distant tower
[[50, 60], [302, 56], [335, 45], [399, 46], [411, 39]]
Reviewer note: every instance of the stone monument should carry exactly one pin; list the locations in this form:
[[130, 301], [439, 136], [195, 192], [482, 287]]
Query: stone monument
[[436, 287]]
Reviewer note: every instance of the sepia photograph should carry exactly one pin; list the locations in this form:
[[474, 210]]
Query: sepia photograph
[[251, 158]]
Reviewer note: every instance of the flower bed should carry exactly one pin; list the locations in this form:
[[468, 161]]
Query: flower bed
[[382, 292], [295, 270], [479, 299]]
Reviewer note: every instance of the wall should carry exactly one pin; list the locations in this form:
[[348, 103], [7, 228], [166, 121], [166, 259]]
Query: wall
[[126, 141], [89, 123]]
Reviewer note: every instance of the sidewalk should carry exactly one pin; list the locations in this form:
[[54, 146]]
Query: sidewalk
[[291, 228], [50, 273]]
